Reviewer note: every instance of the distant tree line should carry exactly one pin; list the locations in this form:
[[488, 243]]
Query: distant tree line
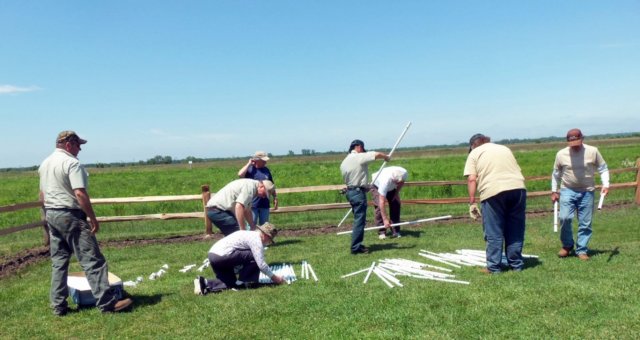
[[159, 159]]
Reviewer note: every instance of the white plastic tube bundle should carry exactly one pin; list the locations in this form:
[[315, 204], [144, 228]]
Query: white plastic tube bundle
[[464, 257], [306, 270], [284, 270], [388, 271]]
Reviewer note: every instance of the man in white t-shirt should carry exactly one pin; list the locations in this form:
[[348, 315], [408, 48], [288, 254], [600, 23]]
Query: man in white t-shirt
[[574, 169], [385, 189]]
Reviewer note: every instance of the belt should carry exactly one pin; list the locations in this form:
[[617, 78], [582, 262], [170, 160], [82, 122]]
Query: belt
[[214, 209], [360, 188]]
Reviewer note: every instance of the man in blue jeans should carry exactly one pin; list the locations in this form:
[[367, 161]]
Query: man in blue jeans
[[574, 169], [492, 170], [355, 172]]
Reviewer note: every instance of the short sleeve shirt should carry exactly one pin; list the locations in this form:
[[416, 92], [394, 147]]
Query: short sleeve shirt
[[355, 168], [496, 169], [385, 181], [239, 191], [577, 169], [259, 174], [60, 174]]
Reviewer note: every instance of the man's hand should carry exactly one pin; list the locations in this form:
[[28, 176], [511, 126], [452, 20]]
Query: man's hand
[[474, 211], [555, 197], [277, 279]]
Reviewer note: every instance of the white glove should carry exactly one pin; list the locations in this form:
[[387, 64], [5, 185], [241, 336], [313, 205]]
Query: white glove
[[474, 212]]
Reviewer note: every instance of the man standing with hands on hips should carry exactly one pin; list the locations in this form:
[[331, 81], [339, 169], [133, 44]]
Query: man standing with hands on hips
[[355, 172], [574, 169]]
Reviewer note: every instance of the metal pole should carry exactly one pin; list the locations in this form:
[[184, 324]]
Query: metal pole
[[382, 167], [401, 223]]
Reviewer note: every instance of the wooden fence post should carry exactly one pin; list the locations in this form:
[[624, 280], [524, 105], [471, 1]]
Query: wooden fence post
[[206, 195], [638, 181]]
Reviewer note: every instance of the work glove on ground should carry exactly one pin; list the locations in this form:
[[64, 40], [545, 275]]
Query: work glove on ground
[[474, 212]]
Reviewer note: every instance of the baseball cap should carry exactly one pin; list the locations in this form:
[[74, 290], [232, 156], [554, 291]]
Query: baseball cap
[[69, 135], [574, 137], [356, 142]]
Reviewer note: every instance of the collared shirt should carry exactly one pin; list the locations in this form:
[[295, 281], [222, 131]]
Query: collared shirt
[[575, 169], [239, 191], [243, 240], [60, 174], [355, 168], [496, 169], [388, 178]]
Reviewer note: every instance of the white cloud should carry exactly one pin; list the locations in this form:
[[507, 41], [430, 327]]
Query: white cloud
[[11, 89]]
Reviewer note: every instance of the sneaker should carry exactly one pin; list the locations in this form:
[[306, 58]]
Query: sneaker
[[397, 235], [362, 250], [583, 257], [382, 236], [199, 285], [565, 251], [122, 304]]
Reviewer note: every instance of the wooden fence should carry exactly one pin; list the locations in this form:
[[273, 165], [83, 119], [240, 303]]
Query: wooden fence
[[206, 194]]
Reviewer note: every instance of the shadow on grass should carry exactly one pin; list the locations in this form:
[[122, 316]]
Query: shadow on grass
[[613, 252], [145, 300], [531, 263], [285, 242], [387, 246]]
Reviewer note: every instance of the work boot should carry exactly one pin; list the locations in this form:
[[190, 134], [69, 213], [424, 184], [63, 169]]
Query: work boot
[[583, 257], [120, 305], [565, 251]]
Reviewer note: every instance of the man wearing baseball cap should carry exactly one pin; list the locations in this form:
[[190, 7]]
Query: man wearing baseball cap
[[355, 172], [257, 169], [574, 169], [67, 205]]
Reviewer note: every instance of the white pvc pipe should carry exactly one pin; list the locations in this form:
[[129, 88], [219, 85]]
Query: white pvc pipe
[[601, 201], [382, 278], [437, 259], [400, 224], [555, 216], [373, 264], [313, 273], [382, 167], [355, 273]]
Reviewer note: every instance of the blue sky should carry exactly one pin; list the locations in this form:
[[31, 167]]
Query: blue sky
[[227, 78]]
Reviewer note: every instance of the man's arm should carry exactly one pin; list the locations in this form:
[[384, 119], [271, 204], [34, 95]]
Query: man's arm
[[244, 216], [85, 203], [471, 188], [383, 210], [243, 171]]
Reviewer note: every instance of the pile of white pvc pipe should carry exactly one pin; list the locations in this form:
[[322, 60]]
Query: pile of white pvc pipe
[[306, 269], [284, 270], [388, 271], [463, 257]]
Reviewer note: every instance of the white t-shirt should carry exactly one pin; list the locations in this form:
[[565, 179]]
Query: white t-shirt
[[243, 240], [388, 178]]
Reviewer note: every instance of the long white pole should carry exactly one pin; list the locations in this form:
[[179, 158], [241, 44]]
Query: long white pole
[[555, 216], [382, 167], [401, 223]]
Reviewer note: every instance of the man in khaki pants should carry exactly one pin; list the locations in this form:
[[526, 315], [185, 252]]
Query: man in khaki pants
[[63, 192]]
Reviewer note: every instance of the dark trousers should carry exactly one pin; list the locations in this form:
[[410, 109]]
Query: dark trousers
[[224, 220], [223, 267], [503, 221], [358, 200], [394, 209]]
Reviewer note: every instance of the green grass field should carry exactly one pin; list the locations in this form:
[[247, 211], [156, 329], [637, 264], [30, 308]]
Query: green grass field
[[551, 298]]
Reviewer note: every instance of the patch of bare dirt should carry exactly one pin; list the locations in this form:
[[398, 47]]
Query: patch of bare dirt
[[13, 264]]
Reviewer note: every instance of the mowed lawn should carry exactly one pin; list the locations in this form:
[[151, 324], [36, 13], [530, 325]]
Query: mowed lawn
[[551, 298]]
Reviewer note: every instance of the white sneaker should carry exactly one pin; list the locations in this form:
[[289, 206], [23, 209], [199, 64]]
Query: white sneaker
[[382, 236], [199, 285], [397, 235]]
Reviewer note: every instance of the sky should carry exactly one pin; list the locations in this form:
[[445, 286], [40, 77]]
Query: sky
[[227, 78]]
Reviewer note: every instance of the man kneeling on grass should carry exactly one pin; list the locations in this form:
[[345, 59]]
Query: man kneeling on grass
[[243, 249]]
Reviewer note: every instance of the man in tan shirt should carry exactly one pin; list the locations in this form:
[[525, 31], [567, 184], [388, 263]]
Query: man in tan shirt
[[574, 169], [492, 170]]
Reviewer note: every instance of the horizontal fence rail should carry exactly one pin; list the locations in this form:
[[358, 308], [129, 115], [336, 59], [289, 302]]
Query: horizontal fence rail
[[206, 194]]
